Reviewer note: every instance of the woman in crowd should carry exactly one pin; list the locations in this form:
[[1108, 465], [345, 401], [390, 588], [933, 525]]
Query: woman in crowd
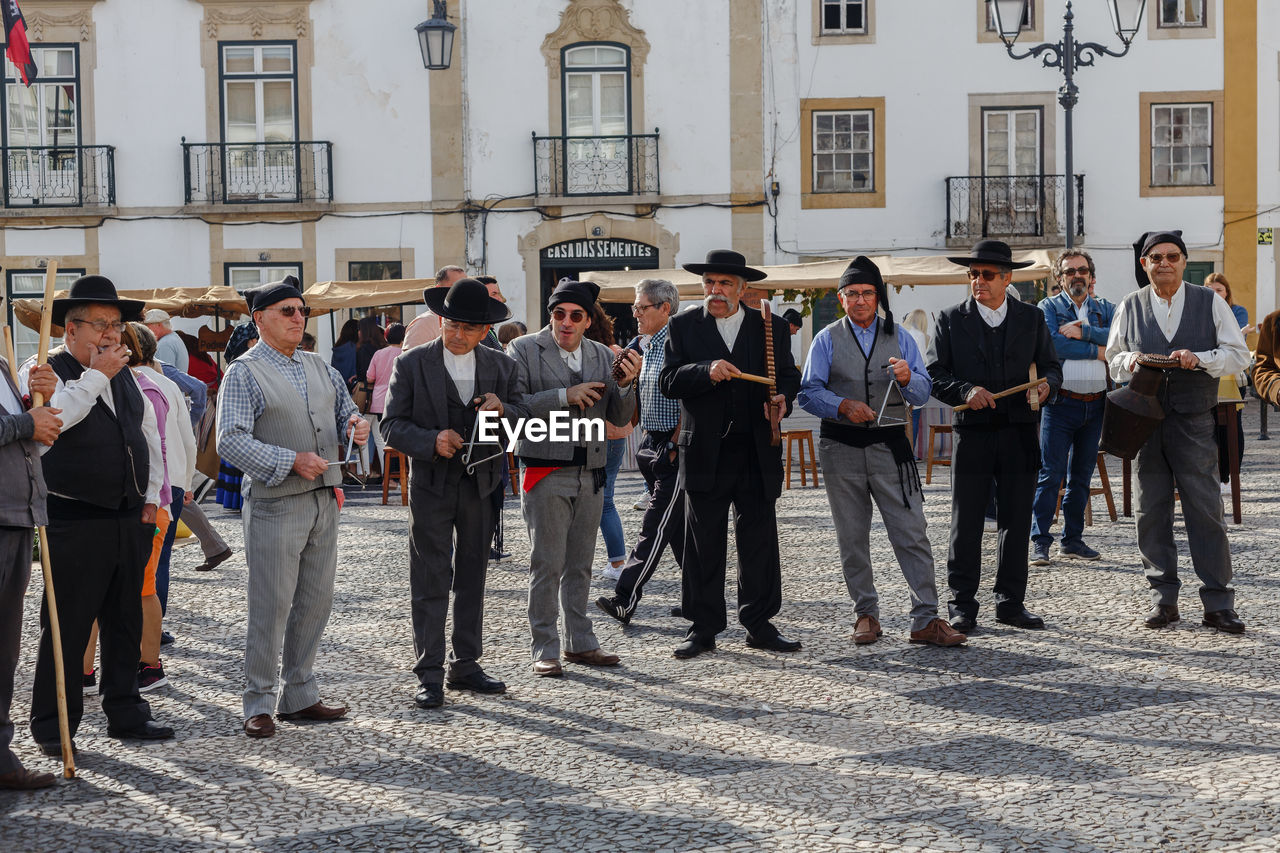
[[601, 331], [378, 374], [344, 352], [1230, 387]]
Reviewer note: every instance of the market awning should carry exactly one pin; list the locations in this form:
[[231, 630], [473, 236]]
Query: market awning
[[325, 296], [216, 301]]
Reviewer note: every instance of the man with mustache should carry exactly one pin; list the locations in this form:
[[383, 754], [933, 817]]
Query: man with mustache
[[1071, 424]]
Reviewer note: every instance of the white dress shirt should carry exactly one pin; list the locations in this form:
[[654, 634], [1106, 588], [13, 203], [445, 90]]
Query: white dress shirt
[[462, 370], [573, 361], [728, 327], [1083, 375], [990, 317], [1230, 356]]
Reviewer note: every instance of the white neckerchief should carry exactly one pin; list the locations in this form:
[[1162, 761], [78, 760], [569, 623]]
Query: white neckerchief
[[728, 327], [573, 360], [993, 318], [462, 370]]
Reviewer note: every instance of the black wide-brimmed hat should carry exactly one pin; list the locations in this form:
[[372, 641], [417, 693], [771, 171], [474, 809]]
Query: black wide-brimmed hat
[[729, 262], [466, 301], [991, 252], [95, 290]]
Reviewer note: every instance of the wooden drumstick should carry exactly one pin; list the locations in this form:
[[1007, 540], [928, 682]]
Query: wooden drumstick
[[1035, 398], [1026, 386]]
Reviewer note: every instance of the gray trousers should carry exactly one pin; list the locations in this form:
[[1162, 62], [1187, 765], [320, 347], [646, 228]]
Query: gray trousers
[[15, 571], [1185, 444], [856, 477], [291, 549], [195, 519], [563, 515]]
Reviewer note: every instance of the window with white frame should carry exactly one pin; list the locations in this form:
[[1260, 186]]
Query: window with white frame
[[244, 276], [29, 284], [841, 17], [844, 151], [1182, 145], [1181, 13], [1028, 17]]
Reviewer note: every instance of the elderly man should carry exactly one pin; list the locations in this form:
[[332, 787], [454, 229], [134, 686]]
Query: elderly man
[[983, 346], [104, 476], [169, 346], [657, 300], [849, 381], [1172, 318], [283, 418], [1071, 424], [725, 453], [431, 411], [426, 326], [22, 507], [560, 371]]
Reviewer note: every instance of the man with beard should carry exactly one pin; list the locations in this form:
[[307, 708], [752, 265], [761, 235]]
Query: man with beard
[[1071, 424]]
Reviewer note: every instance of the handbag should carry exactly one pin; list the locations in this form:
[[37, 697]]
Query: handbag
[[362, 396]]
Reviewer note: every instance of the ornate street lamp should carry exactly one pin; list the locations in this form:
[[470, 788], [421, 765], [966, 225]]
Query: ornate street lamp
[[435, 38], [1068, 55]]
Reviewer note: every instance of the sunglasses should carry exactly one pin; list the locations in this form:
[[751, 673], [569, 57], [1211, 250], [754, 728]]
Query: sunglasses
[[290, 310], [1171, 257], [1072, 271], [573, 316], [985, 275]]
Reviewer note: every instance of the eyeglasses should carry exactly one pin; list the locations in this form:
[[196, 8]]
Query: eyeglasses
[[289, 310], [1171, 257], [1068, 272], [985, 275], [637, 310], [573, 316], [458, 326], [101, 326], [859, 296]]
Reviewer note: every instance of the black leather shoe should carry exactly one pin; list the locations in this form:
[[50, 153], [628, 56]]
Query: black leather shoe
[[777, 643], [677, 612], [430, 696], [1161, 615], [692, 647], [965, 624], [1224, 620], [476, 681], [614, 609], [1024, 618], [146, 730], [54, 748]]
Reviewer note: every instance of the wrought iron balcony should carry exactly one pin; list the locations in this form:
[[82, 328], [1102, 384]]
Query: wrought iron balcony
[[59, 176], [1011, 206], [257, 172], [596, 165]]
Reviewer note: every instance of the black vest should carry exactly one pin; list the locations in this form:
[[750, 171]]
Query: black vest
[[461, 420], [103, 460]]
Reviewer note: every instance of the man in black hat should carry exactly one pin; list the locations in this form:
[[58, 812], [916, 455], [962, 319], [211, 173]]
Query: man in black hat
[[982, 346], [725, 453], [436, 392], [565, 377], [1190, 323], [104, 476], [284, 417], [849, 381]]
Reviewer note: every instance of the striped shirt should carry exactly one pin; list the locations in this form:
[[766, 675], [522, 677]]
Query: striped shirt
[[241, 402], [657, 413]]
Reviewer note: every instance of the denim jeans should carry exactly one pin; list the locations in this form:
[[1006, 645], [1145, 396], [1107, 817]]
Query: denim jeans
[[1069, 434], [166, 552], [610, 524]]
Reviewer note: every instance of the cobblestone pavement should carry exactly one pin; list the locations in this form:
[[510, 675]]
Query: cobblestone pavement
[[1096, 734]]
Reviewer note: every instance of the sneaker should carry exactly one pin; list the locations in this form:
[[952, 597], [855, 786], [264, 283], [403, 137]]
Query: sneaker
[[614, 608], [1079, 551], [611, 572], [151, 677], [497, 555], [89, 681], [642, 502], [1040, 553]]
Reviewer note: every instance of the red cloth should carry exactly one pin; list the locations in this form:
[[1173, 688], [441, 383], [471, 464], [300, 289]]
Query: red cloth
[[533, 475], [17, 48]]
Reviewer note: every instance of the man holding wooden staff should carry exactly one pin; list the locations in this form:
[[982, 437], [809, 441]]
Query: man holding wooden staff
[[727, 454], [984, 348]]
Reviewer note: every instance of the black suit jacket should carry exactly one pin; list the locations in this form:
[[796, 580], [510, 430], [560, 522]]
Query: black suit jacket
[[693, 343], [417, 410], [958, 362]]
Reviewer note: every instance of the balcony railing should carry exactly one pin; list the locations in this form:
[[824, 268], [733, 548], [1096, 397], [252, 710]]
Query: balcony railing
[[1011, 206], [596, 165], [257, 172], [59, 176]]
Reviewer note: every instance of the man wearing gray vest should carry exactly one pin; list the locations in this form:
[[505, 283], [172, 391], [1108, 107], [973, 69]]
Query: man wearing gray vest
[[283, 418], [1192, 324], [849, 381]]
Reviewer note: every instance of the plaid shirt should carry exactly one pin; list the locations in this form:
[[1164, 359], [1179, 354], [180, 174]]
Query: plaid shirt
[[241, 402], [657, 413]]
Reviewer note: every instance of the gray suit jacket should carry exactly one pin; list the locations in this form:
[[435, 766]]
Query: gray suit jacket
[[543, 374], [22, 500], [417, 410]]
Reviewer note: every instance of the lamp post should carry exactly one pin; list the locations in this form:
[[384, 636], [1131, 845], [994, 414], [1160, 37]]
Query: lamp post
[[1068, 55], [435, 38]]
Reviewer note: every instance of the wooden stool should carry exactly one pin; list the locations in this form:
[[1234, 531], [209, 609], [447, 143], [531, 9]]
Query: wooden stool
[[929, 458], [1104, 490], [402, 471], [800, 437]]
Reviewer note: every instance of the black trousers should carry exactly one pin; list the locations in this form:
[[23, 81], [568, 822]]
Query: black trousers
[[97, 567], [15, 569], [739, 482], [663, 521], [1009, 457]]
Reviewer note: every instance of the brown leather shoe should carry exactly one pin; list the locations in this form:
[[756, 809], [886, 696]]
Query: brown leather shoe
[[319, 712], [23, 779], [548, 666], [938, 633], [1161, 615], [595, 657], [866, 630], [260, 725]]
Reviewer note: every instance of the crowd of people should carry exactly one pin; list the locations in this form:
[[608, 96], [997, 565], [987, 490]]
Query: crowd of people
[[98, 446]]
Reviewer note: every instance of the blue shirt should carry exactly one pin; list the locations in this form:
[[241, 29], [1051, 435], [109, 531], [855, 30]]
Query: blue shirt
[[657, 413], [817, 400]]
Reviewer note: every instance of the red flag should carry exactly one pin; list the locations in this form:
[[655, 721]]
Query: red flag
[[17, 48]]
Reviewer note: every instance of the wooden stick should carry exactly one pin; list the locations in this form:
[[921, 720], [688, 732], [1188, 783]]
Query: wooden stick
[[771, 371], [55, 628], [1033, 376], [751, 377], [8, 354], [1025, 386]]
